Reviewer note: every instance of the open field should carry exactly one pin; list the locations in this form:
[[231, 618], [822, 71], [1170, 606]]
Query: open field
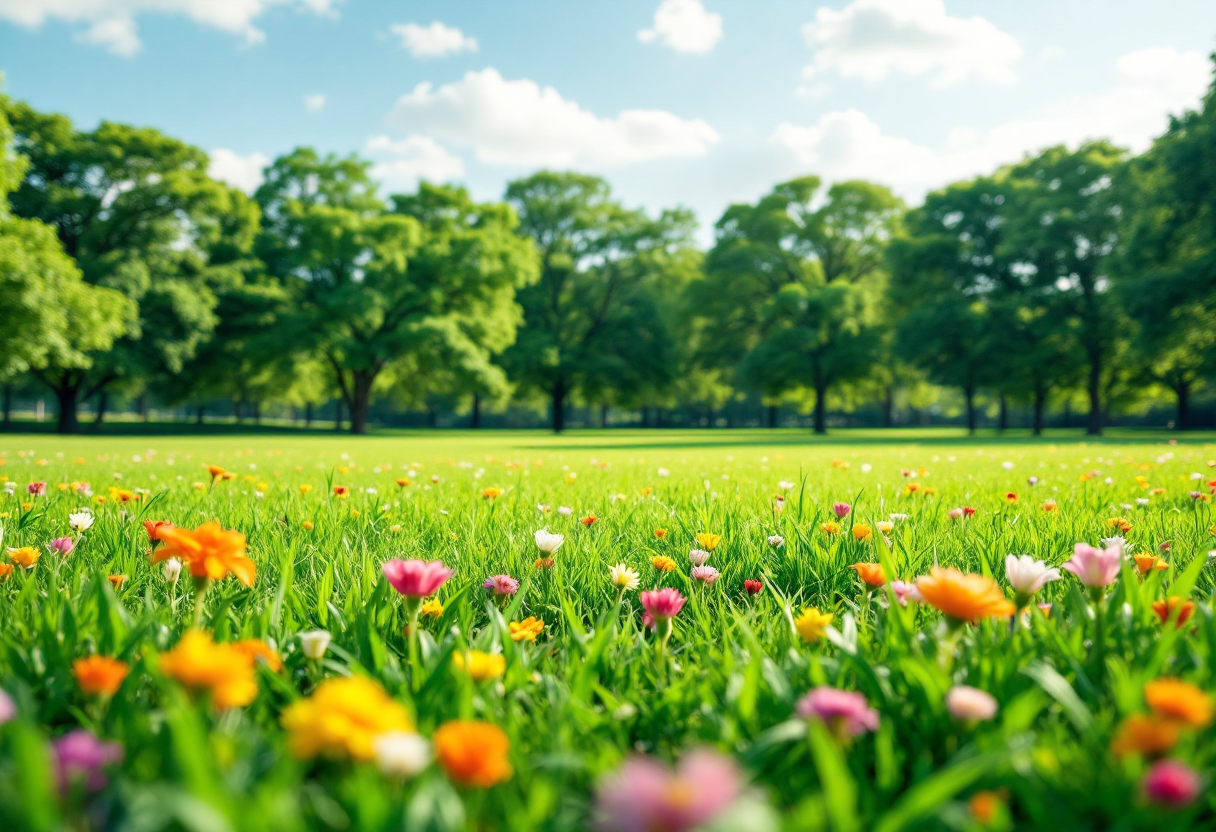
[[551, 728]]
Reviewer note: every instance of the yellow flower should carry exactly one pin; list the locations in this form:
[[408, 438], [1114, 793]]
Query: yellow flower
[[830, 527], [661, 534], [1180, 701], [885, 526], [663, 563], [526, 630], [1120, 523], [708, 541], [862, 532], [432, 608], [491, 493], [480, 666], [26, 556], [343, 718], [6, 569], [305, 488], [224, 669], [307, 525], [812, 624]]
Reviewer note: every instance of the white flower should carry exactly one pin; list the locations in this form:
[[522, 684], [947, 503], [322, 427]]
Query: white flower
[[10, 486], [969, 704], [1196, 476], [1108, 542], [565, 510], [785, 485], [1027, 575], [698, 557], [663, 472], [315, 643], [402, 753], [776, 541], [625, 578], [898, 518], [543, 508], [80, 521], [172, 568], [258, 495], [1008, 466], [1142, 501], [866, 467], [548, 542]]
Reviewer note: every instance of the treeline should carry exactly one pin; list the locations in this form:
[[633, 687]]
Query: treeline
[[1084, 275]]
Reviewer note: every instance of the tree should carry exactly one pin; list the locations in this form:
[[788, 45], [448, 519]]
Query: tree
[[372, 288], [136, 210], [592, 322], [791, 286]]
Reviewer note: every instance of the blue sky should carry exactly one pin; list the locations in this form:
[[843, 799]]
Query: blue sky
[[693, 102]]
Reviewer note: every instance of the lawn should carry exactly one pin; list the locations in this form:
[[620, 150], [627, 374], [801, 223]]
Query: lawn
[[137, 700]]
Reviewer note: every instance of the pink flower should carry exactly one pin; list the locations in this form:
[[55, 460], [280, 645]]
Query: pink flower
[[1172, 783], [846, 713], [62, 545], [955, 513], [501, 584], [8, 708], [905, 592], [1095, 567], [643, 795], [416, 578], [662, 604], [968, 704], [842, 510], [704, 573], [80, 756], [38, 489]]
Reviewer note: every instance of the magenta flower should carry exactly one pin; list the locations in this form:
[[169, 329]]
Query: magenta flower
[[501, 585], [842, 510], [643, 795], [38, 489], [1096, 568], [846, 713], [62, 545], [416, 578], [662, 604], [81, 757], [8, 708], [704, 573], [1172, 783]]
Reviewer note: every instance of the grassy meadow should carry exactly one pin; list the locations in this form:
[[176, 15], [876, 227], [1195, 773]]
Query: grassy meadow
[[588, 719]]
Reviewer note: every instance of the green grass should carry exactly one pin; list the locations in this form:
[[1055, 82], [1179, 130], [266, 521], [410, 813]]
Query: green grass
[[592, 690]]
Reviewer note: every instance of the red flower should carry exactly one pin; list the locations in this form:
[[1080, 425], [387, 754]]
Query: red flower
[[968, 511], [588, 520], [753, 587]]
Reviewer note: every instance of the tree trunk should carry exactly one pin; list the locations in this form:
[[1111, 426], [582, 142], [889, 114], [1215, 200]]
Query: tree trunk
[[257, 413], [888, 407], [361, 397], [772, 415], [1183, 391], [603, 416], [475, 422], [308, 414], [200, 412], [559, 405], [1040, 400], [65, 395], [338, 416], [8, 406], [238, 410], [821, 407], [969, 394], [645, 414], [143, 406], [103, 400], [1003, 419], [1094, 425]]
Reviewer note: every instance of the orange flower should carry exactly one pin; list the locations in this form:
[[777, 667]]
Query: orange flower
[[209, 551], [663, 563], [1011, 497], [473, 753], [6, 569], [117, 581], [491, 493], [25, 556], [862, 532], [403, 482], [1147, 562], [830, 527], [225, 670], [341, 492], [256, 649], [153, 527], [984, 806], [1180, 701], [216, 471], [871, 573], [99, 675], [543, 563], [1149, 736], [306, 525], [1165, 609], [588, 520], [661, 534], [1120, 523], [1049, 505], [964, 598]]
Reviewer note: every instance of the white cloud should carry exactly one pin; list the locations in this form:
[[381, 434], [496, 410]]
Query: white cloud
[[400, 165], [111, 23], [871, 39], [685, 26], [521, 123], [434, 41], [244, 172], [313, 103], [1151, 84]]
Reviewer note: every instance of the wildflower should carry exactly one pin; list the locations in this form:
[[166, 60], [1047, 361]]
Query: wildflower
[[968, 704], [862, 532], [963, 598], [644, 795], [1172, 783], [1178, 700], [955, 513], [811, 624], [698, 557], [527, 630], [968, 511], [1027, 576], [80, 521], [830, 527], [543, 563], [624, 578], [216, 471], [416, 579], [62, 545], [846, 714], [401, 754], [473, 753], [708, 541], [403, 482], [905, 591], [1148, 736], [1165, 609], [776, 541], [209, 551], [116, 581], [314, 643], [565, 511], [871, 574], [885, 526], [1120, 523], [663, 604], [480, 665], [38, 489], [1049, 505], [501, 585], [898, 517], [25, 556], [172, 569], [491, 493], [99, 675], [1146, 562], [343, 718], [661, 534], [841, 510], [258, 650], [548, 542], [81, 758], [307, 525], [123, 495], [432, 608], [753, 587], [588, 520], [200, 664], [705, 573], [1097, 568], [8, 710], [663, 563], [6, 569]]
